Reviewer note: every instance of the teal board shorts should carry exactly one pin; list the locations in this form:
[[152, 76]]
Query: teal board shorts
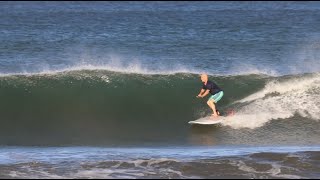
[[216, 97]]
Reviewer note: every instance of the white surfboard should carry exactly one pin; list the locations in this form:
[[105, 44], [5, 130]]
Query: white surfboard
[[208, 120]]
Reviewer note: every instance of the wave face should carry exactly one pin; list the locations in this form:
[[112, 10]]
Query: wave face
[[98, 107]]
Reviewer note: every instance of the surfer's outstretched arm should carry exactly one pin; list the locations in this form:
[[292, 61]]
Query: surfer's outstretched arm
[[205, 93], [202, 91]]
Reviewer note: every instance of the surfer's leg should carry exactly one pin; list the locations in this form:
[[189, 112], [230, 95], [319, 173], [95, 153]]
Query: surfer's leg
[[215, 98], [213, 107]]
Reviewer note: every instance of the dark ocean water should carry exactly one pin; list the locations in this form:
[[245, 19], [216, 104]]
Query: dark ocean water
[[107, 89]]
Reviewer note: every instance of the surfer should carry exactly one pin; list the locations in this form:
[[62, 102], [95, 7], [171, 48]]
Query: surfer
[[214, 90]]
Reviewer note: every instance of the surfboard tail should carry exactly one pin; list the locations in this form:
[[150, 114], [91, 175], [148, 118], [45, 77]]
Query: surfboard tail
[[230, 112]]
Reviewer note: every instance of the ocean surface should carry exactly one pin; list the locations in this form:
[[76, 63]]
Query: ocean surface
[[106, 89]]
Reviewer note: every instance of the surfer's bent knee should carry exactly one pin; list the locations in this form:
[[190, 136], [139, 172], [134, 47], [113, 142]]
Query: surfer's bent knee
[[210, 100]]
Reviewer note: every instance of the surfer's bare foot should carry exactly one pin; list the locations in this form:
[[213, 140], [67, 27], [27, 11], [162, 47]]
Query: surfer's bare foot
[[218, 113], [214, 115]]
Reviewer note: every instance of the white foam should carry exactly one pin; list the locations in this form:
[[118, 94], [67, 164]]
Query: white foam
[[138, 69], [246, 68], [135, 69], [108, 173], [305, 56], [141, 168], [300, 95], [34, 174], [275, 171], [116, 63]]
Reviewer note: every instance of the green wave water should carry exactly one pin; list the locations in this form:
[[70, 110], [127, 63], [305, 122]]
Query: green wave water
[[103, 107]]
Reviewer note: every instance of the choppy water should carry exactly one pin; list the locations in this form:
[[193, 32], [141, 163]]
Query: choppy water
[[174, 162], [118, 74]]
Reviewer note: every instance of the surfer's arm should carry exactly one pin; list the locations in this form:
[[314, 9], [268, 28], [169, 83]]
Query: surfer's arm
[[202, 91], [205, 93]]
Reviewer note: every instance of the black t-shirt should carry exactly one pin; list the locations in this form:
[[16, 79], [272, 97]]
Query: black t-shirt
[[214, 89]]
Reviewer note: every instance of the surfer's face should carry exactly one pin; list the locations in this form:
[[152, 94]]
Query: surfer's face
[[204, 78]]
